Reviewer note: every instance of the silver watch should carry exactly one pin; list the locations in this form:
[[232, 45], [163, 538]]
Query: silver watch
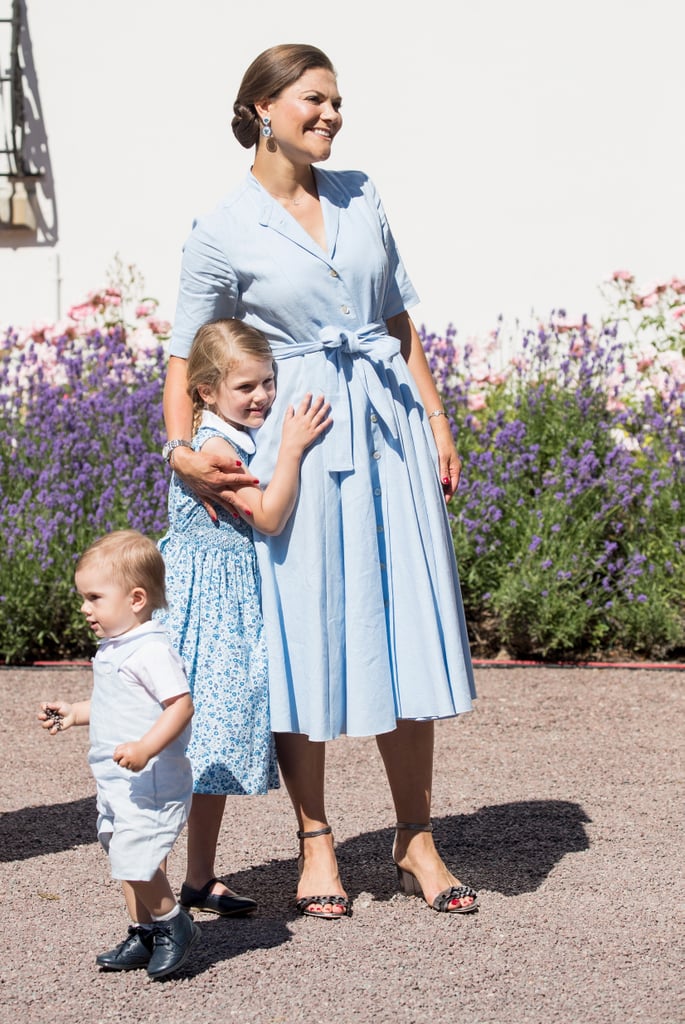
[[170, 445]]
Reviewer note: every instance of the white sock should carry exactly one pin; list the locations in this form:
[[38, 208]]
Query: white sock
[[168, 917]]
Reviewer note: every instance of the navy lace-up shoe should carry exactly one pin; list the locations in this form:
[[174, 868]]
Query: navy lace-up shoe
[[131, 954], [171, 942]]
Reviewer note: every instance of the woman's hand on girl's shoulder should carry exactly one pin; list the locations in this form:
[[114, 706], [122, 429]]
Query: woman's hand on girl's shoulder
[[213, 474]]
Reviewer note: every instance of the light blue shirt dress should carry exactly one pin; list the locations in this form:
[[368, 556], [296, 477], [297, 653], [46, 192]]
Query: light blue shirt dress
[[360, 592]]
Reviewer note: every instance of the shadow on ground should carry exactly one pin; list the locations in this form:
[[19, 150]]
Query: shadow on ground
[[507, 848], [36, 831]]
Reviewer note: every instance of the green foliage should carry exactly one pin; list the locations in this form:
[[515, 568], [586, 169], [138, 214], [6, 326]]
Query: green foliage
[[568, 524]]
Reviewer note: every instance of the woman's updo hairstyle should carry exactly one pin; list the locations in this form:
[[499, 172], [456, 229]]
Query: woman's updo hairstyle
[[267, 75]]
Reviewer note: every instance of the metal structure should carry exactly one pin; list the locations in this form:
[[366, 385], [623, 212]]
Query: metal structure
[[17, 177]]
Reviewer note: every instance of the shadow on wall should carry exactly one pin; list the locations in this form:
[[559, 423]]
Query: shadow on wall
[[28, 209]]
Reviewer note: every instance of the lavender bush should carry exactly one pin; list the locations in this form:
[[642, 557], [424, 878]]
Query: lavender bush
[[80, 435], [568, 526]]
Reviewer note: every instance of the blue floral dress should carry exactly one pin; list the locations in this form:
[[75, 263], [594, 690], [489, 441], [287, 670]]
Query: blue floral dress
[[214, 621]]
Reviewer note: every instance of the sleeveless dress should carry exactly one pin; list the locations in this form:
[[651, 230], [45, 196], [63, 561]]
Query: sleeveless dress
[[360, 592], [214, 621]]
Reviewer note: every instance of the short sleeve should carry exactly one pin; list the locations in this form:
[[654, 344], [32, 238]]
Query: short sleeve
[[400, 293], [208, 289], [158, 668]]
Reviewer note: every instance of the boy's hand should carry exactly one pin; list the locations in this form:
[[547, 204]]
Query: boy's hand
[[55, 716], [301, 427], [131, 755]]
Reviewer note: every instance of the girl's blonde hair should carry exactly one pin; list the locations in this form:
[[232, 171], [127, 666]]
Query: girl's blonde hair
[[217, 349], [131, 559]]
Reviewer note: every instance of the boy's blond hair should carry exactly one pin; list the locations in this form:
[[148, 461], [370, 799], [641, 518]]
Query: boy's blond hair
[[133, 560]]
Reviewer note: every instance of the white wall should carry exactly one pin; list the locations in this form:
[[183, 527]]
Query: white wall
[[524, 148]]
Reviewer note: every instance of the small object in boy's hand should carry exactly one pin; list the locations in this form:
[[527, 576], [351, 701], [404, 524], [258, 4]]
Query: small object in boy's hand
[[57, 719]]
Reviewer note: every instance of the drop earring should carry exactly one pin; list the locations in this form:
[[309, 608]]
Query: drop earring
[[267, 133]]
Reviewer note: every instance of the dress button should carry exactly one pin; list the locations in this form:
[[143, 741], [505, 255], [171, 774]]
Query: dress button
[[379, 529], [383, 566], [333, 273], [377, 491], [376, 455], [345, 310], [374, 418]]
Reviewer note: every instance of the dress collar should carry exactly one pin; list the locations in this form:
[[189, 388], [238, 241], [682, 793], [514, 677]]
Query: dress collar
[[242, 438]]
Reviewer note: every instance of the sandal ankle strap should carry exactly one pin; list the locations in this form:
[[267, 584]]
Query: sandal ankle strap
[[318, 832], [412, 826]]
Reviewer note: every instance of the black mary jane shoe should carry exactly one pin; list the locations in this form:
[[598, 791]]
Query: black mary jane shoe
[[130, 955], [224, 904]]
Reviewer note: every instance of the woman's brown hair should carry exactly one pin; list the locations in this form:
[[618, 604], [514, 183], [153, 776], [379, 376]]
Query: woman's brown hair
[[268, 74]]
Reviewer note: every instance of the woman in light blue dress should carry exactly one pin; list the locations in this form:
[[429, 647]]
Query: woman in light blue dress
[[360, 593]]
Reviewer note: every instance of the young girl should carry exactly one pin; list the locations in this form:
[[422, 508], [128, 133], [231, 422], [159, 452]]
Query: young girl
[[139, 718], [214, 617]]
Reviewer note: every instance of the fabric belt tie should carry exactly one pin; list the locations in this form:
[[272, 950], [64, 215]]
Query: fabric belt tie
[[374, 345]]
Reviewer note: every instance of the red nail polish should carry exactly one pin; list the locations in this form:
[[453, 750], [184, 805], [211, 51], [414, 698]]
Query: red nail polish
[[445, 479], [247, 512], [238, 462]]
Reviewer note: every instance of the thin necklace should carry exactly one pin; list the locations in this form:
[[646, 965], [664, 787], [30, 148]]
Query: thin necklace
[[290, 199]]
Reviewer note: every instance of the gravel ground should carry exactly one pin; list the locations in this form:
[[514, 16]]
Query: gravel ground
[[558, 799]]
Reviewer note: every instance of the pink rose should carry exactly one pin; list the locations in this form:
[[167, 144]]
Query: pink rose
[[622, 275], [159, 326], [82, 310], [645, 357], [647, 299], [476, 402]]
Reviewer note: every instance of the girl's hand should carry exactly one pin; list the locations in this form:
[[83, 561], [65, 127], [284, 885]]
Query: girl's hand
[[56, 716], [301, 427], [212, 478], [131, 755]]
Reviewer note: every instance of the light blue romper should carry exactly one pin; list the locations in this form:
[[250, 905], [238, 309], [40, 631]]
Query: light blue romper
[[360, 593], [140, 814]]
